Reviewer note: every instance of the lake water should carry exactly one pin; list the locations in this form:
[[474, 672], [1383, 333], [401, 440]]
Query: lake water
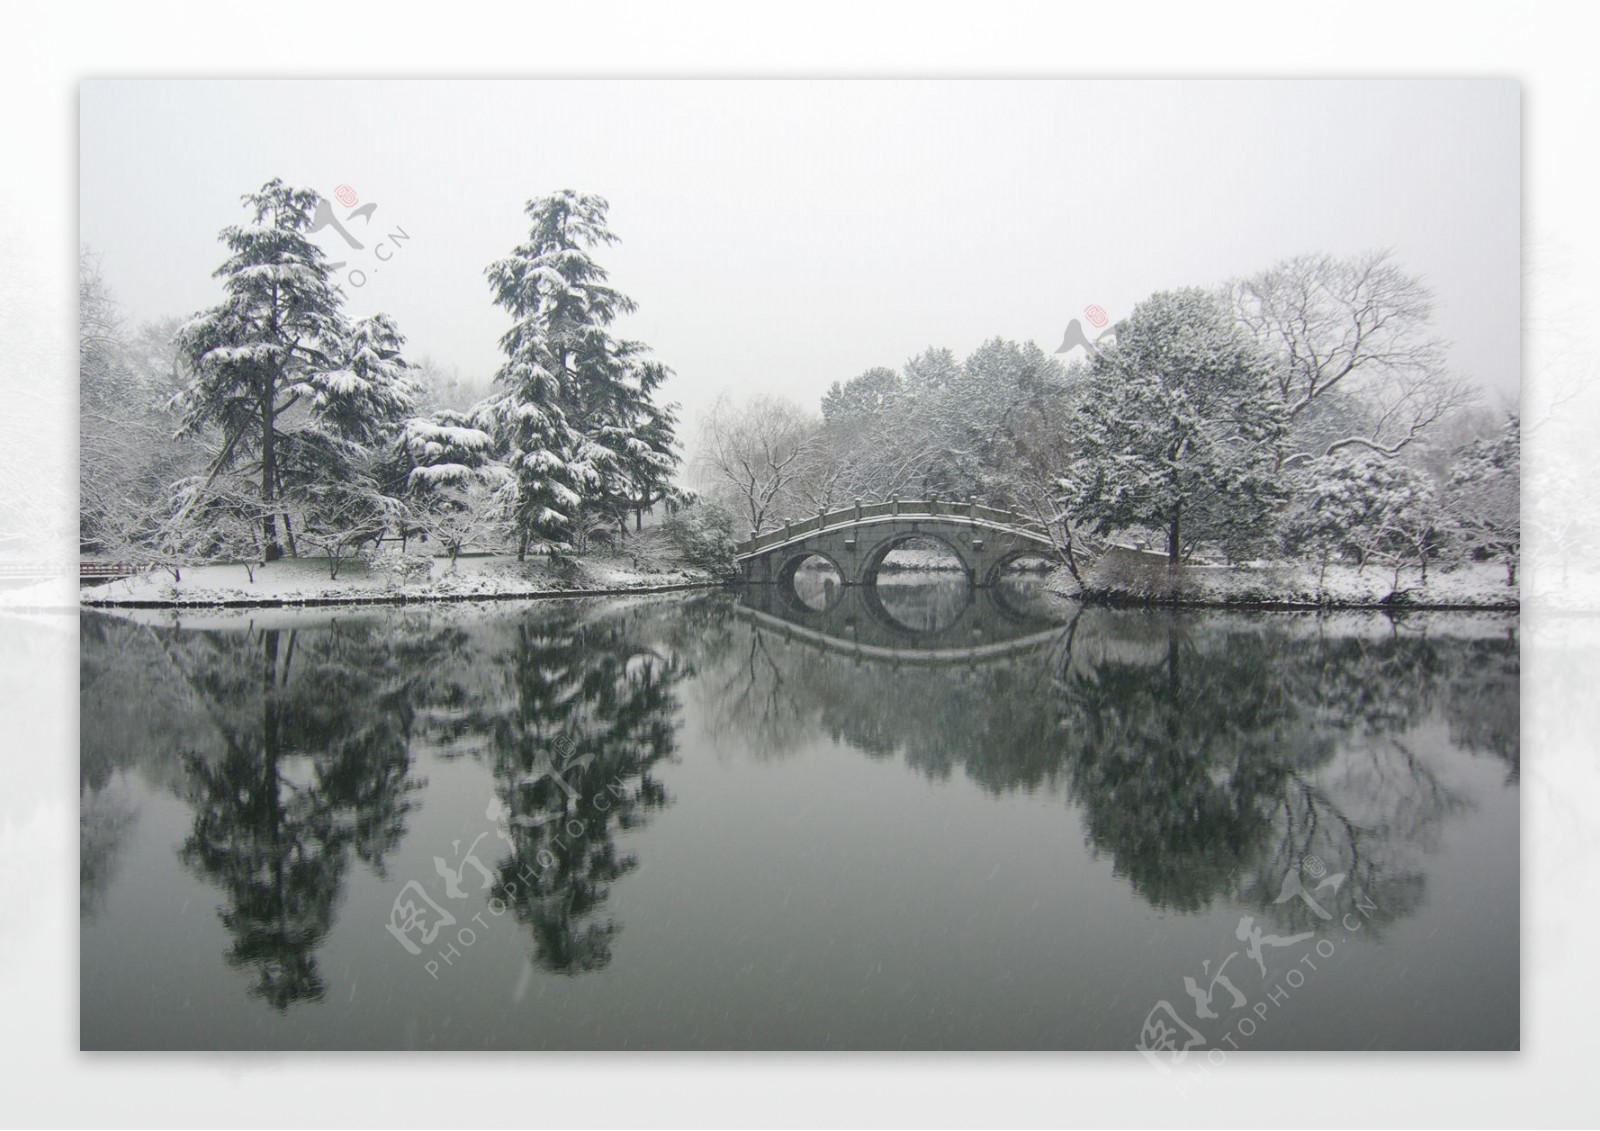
[[908, 818]]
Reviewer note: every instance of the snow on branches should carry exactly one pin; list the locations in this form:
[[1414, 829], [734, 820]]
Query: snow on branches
[[577, 416]]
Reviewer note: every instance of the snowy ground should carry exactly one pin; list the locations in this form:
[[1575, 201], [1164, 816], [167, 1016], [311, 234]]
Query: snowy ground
[[48, 595], [640, 566], [1143, 578], [635, 567]]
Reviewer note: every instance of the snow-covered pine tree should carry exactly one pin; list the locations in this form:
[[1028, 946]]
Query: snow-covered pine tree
[[651, 454], [445, 448], [274, 337], [314, 399], [574, 397], [373, 391], [1178, 429], [337, 466], [455, 487]]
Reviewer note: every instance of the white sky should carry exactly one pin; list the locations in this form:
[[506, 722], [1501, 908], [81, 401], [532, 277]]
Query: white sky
[[781, 235]]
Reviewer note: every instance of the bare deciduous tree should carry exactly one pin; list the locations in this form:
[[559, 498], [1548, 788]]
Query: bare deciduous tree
[[754, 455], [1360, 326]]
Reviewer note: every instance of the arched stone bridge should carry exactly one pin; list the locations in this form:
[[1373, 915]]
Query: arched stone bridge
[[855, 540]]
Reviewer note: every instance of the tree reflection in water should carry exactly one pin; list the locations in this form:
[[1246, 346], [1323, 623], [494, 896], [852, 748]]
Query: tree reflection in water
[[294, 750], [1211, 754], [309, 765], [593, 701], [1208, 754]]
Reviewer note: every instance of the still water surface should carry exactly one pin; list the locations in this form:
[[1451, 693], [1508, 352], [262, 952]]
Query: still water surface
[[911, 818]]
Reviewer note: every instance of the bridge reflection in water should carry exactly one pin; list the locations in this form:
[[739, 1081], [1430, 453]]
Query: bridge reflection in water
[[1206, 753], [929, 620]]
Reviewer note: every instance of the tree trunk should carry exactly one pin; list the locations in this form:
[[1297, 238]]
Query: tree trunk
[[269, 480], [1175, 535], [288, 530]]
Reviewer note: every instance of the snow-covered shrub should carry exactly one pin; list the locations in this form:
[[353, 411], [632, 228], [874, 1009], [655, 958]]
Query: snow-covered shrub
[[399, 568], [1484, 497], [703, 534], [1367, 507], [1121, 574]]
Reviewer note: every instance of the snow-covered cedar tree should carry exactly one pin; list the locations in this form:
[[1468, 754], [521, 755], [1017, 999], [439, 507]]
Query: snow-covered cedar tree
[[457, 492], [871, 444], [703, 534], [982, 415], [585, 440], [940, 427], [872, 394], [1178, 429], [342, 433], [652, 457], [1365, 505], [1484, 496], [306, 402], [372, 392], [275, 338]]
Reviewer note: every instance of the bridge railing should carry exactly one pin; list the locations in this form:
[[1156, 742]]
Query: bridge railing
[[110, 571], [906, 508]]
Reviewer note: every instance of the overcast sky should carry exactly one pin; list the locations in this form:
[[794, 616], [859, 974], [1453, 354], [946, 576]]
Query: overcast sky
[[781, 235]]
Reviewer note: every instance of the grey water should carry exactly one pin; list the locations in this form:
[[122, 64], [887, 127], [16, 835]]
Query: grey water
[[909, 817]]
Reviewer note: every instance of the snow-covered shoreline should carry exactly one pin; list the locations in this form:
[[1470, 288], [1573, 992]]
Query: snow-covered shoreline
[[1138, 580], [304, 583]]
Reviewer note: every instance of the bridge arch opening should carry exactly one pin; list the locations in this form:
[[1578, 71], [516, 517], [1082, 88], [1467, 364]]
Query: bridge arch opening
[[919, 582], [813, 580], [1018, 582], [1022, 569], [915, 552]]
